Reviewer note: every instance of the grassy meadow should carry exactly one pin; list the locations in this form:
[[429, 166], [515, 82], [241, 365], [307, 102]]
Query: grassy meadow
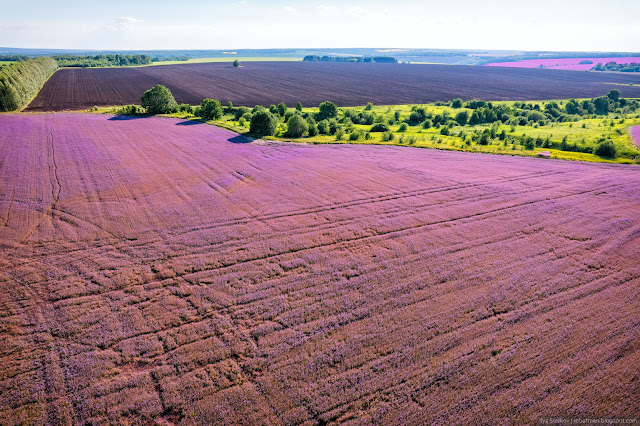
[[509, 139]]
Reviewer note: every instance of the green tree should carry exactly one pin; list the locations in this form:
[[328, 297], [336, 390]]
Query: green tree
[[296, 126], [158, 100], [263, 123], [327, 110], [236, 63], [462, 118], [614, 95], [602, 104], [299, 106], [282, 109], [456, 103], [210, 109], [368, 106]]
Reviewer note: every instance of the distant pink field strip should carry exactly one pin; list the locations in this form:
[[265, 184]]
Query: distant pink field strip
[[635, 134], [564, 63]]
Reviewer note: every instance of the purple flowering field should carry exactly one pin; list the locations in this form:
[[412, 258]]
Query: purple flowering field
[[154, 271]]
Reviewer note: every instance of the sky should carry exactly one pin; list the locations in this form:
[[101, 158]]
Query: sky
[[561, 25]]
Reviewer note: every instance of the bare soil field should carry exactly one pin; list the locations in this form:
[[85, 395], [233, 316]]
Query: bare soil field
[[346, 84], [159, 271]]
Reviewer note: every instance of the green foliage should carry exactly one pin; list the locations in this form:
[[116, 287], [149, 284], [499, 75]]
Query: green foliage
[[369, 106], [327, 110], [282, 109], [323, 127], [296, 126], [210, 109], [387, 136], [380, 127], [158, 100], [613, 66], [236, 63], [185, 108], [108, 60], [299, 106], [403, 127], [614, 95], [456, 103], [339, 134], [313, 127], [240, 112], [128, 110], [462, 118], [356, 135], [606, 149], [263, 123], [21, 81]]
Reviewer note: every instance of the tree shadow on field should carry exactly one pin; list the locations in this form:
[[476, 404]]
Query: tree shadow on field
[[240, 139], [189, 122], [127, 117]]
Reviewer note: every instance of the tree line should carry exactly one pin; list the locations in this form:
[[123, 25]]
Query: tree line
[[612, 66], [376, 59], [108, 60], [21, 81]]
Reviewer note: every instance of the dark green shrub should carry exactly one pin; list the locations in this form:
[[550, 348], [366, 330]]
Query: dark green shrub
[[380, 127], [210, 109], [263, 123], [606, 149]]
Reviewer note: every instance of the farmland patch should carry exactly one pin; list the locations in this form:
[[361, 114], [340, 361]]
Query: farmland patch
[[154, 272]]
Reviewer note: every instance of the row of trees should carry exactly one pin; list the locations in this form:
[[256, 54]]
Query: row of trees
[[108, 60], [376, 59], [21, 81], [612, 66], [266, 121]]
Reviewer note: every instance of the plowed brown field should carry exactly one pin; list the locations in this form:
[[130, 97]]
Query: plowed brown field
[[346, 84], [160, 272]]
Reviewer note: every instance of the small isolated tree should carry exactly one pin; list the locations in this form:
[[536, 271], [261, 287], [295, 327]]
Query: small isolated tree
[[299, 106], [236, 63], [327, 110], [456, 103], [368, 106], [210, 109], [606, 149], [263, 123], [158, 100], [296, 126]]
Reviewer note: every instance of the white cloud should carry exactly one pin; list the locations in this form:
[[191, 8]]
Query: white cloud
[[123, 23], [358, 12], [290, 10], [328, 9]]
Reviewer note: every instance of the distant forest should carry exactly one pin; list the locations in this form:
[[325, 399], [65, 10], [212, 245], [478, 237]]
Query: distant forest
[[612, 66], [109, 60], [377, 59]]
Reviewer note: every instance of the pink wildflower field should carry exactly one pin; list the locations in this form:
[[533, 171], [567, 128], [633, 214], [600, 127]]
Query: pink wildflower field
[[564, 63], [157, 271]]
